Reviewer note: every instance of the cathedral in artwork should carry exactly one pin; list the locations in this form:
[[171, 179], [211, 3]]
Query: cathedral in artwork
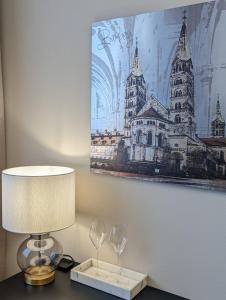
[[159, 140]]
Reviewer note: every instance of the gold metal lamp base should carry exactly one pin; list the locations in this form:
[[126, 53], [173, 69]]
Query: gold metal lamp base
[[39, 275]]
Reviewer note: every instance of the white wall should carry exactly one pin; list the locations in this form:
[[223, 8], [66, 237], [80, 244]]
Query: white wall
[[177, 235]]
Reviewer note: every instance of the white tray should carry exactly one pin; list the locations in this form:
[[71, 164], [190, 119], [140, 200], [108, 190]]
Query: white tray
[[109, 278]]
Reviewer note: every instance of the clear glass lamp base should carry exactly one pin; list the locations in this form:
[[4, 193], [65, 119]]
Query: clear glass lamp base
[[38, 257]]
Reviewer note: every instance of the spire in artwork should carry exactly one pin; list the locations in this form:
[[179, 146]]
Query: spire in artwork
[[183, 50], [218, 110], [136, 69]]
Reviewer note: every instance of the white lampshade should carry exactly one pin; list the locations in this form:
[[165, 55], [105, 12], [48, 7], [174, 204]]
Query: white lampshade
[[38, 199]]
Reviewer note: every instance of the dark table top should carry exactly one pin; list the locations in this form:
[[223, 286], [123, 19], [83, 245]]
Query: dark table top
[[63, 288]]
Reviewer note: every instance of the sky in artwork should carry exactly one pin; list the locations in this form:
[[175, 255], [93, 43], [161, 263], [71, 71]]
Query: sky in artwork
[[157, 33]]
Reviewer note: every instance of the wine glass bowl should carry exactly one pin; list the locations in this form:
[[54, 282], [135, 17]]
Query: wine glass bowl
[[97, 235], [118, 241]]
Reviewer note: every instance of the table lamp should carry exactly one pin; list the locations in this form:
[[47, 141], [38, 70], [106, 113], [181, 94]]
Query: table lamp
[[37, 200]]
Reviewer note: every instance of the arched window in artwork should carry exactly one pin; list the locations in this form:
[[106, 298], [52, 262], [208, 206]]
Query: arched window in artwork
[[178, 93], [178, 106], [149, 138], [222, 132], [130, 114], [178, 81], [190, 120], [160, 140], [177, 119], [140, 122], [191, 109], [139, 136], [164, 141]]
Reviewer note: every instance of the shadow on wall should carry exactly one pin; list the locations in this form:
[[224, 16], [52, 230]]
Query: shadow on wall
[[52, 147], [172, 231]]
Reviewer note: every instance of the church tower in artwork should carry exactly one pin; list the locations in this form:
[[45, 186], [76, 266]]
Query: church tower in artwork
[[182, 87], [135, 93], [218, 123]]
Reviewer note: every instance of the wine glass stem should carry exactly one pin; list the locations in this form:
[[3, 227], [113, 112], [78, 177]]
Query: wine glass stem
[[97, 261], [118, 263]]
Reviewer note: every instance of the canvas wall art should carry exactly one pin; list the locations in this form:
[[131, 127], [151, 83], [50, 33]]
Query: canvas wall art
[[159, 96]]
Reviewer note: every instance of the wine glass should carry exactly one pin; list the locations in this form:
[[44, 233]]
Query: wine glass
[[118, 241], [97, 235]]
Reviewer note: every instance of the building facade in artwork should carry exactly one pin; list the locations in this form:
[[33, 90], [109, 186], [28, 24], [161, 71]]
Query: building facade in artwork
[[135, 97], [182, 88], [159, 139]]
